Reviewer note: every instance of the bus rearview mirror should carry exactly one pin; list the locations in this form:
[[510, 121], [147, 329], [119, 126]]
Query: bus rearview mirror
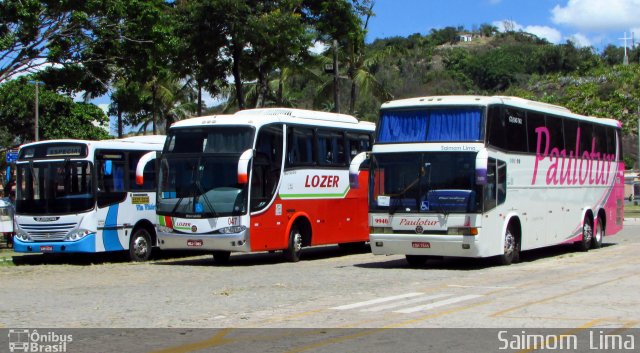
[[243, 166]]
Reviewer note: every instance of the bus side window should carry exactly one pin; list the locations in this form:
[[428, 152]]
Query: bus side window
[[502, 182], [118, 178], [490, 196]]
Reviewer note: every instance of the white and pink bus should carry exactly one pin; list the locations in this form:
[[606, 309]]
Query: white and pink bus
[[476, 176], [261, 180]]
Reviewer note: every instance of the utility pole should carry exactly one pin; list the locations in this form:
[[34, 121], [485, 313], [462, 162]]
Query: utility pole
[[37, 110], [336, 82]]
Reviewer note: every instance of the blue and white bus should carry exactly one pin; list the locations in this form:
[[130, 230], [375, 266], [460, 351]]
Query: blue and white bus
[[76, 196]]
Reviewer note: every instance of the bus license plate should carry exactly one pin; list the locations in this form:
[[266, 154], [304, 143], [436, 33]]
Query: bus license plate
[[194, 243], [421, 244], [46, 248]]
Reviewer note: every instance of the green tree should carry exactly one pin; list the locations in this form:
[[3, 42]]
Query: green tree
[[148, 47], [59, 116], [271, 24], [77, 36], [200, 25]]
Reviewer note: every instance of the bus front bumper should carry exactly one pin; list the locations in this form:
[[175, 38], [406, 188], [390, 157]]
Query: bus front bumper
[[234, 242], [424, 244], [84, 245]]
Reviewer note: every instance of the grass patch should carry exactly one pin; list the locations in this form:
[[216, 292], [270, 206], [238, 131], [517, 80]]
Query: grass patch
[[631, 211]]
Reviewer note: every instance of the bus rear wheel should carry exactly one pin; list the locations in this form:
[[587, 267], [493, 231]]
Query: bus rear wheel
[[292, 252], [596, 241], [140, 245], [587, 235]]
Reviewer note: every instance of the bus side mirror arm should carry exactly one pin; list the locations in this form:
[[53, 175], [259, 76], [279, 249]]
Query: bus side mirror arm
[[243, 166], [482, 159], [142, 163], [354, 168]]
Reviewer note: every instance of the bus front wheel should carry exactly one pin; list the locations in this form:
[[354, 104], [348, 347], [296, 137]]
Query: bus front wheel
[[140, 245], [511, 249], [292, 252]]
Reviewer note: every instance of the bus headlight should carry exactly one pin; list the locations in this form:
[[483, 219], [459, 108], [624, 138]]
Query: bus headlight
[[22, 235], [163, 229], [232, 229], [77, 234]]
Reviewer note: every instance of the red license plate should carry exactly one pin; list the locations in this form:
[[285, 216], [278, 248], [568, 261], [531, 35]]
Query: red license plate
[[46, 248], [421, 244], [194, 243]]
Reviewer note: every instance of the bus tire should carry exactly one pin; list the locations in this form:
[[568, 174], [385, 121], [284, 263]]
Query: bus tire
[[292, 252], [140, 245], [416, 260], [511, 248], [221, 257], [587, 234], [598, 235]]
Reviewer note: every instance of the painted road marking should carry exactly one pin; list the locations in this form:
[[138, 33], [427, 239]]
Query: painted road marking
[[408, 302], [438, 304], [481, 287], [375, 301]]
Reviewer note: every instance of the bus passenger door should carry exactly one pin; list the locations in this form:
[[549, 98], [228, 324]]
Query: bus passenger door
[[265, 177]]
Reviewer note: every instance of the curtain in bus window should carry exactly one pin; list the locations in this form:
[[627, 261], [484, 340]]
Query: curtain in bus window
[[454, 125], [431, 126], [403, 127]]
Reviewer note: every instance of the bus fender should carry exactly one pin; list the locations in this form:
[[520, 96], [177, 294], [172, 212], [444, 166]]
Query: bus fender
[[508, 219], [586, 212], [295, 217]]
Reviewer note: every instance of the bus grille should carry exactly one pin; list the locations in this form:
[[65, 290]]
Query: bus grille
[[47, 232]]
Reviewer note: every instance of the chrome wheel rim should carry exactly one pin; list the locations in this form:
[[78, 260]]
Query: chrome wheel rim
[[297, 242], [587, 232], [140, 246], [509, 243]]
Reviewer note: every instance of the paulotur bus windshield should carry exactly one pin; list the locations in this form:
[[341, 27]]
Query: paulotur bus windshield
[[424, 182]]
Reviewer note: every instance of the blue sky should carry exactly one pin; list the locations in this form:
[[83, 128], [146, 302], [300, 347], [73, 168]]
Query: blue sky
[[596, 23]]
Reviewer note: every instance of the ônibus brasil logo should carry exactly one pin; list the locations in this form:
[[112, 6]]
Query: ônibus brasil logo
[[25, 340]]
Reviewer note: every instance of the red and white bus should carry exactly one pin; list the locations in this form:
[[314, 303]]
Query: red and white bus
[[262, 180], [476, 176]]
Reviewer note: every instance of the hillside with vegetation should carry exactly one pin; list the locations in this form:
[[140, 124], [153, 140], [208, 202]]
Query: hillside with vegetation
[[156, 59], [514, 63]]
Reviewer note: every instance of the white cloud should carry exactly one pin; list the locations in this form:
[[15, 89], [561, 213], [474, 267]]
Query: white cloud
[[551, 34], [594, 15], [580, 40]]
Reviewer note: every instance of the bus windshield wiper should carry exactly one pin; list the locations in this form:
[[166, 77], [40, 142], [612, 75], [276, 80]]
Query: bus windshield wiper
[[203, 193]]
